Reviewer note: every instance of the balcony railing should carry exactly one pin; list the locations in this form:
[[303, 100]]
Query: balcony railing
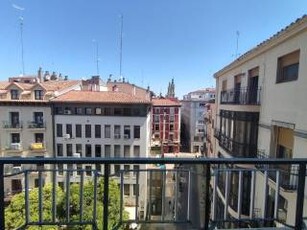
[[236, 149], [180, 180], [36, 125], [14, 147], [10, 125], [241, 96]]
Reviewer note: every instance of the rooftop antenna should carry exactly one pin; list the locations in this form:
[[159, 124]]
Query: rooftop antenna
[[20, 9], [97, 56], [237, 45], [121, 45]]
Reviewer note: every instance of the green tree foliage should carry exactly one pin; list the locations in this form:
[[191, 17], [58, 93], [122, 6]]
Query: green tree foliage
[[15, 212]]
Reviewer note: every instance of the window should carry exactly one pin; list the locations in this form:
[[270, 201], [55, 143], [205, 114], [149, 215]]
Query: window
[[88, 111], [127, 189], [135, 190], [156, 118], [38, 118], [79, 168], [136, 112], [126, 169], [288, 67], [88, 150], [38, 94], [107, 131], [157, 127], [107, 150], [58, 110], [108, 111], [127, 131], [136, 131], [98, 111], [39, 137], [127, 112], [78, 130], [97, 131], [60, 168], [79, 149], [69, 150], [117, 111], [126, 150], [224, 85], [116, 169], [14, 117], [116, 150], [97, 150], [15, 137], [14, 94], [136, 169], [69, 130], [78, 110], [88, 131], [136, 151], [70, 168], [171, 118], [116, 131], [171, 127], [59, 148], [88, 170]]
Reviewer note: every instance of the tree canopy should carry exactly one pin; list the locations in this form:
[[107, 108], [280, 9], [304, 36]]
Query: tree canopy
[[15, 212]]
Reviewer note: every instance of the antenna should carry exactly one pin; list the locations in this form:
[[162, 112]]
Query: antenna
[[237, 47], [20, 9], [121, 44], [97, 56]]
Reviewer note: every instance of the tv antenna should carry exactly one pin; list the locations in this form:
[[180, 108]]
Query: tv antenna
[[121, 44], [20, 9], [237, 44]]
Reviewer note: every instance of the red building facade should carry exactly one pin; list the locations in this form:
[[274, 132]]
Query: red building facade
[[165, 126]]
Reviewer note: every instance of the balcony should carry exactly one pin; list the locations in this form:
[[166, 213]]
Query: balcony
[[10, 125], [14, 147], [36, 125], [37, 147], [182, 197], [236, 149], [241, 96]]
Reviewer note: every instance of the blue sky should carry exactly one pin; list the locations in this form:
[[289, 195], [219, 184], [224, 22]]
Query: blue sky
[[186, 39]]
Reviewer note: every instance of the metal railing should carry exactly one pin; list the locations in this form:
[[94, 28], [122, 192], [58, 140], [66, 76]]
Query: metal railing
[[11, 125], [36, 125], [241, 96], [107, 162]]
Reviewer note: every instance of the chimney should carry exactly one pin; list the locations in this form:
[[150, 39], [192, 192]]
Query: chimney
[[39, 74], [65, 78]]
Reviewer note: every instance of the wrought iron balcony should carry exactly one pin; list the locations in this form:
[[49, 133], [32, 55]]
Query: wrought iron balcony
[[12, 125], [186, 195], [236, 149], [36, 125], [241, 96]]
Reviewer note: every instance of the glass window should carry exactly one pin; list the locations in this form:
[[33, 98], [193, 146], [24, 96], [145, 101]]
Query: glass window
[[69, 130], [38, 119], [127, 189], [126, 150], [97, 150], [116, 131], [117, 111], [88, 111], [98, 111], [88, 131], [39, 137], [97, 131], [69, 150], [59, 130], [78, 130], [107, 131], [136, 151], [79, 168], [136, 169], [126, 169], [88, 150], [14, 94], [79, 149], [59, 150], [127, 131], [88, 170], [116, 169], [107, 150], [288, 66], [116, 150], [78, 110], [136, 131], [38, 94], [60, 168], [135, 190]]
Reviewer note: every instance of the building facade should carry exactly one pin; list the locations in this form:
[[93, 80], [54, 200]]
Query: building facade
[[261, 113], [165, 126], [193, 124], [210, 116]]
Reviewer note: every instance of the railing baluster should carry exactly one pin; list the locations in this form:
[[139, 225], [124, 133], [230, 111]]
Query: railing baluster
[[207, 196], [27, 197], [252, 197], [276, 195], [300, 196], [137, 196], [240, 195], [40, 197], [95, 201], [67, 196], [54, 189], [121, 196], [2, 223], [81, 194], [163, 196], [106, 196]]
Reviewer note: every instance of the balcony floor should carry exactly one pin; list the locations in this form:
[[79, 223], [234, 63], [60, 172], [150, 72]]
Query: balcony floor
[[167, 226]]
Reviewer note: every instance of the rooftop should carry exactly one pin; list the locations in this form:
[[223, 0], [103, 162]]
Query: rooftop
[[165, 102]]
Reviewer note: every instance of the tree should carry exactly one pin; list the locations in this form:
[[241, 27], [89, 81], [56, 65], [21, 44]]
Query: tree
[[15, 212]]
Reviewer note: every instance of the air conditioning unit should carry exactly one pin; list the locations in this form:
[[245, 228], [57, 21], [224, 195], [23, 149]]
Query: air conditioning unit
[[15, 146], [67, 112], [116, 136], [16, 169], [66, 136], [76, 155], [126, 136]]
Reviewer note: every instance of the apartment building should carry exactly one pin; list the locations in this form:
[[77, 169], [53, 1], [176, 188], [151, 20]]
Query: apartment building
[[26, 129], [193, 124], [103, 124], [261, 112], [210, 116], [165, 126]]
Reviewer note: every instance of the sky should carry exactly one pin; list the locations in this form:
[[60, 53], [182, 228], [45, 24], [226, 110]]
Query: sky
[[188, 40]]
